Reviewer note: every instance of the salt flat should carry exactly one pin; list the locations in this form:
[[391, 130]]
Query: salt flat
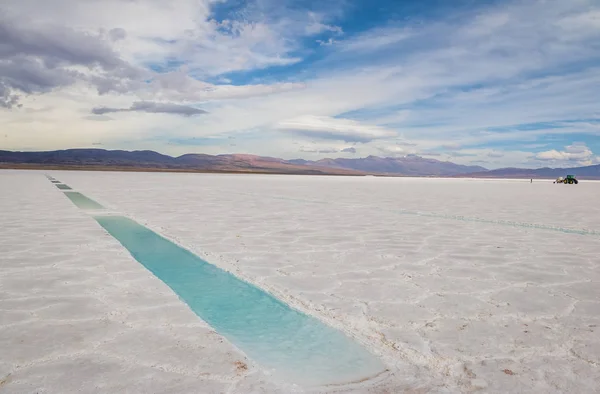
[[78, 315], [458, 285]]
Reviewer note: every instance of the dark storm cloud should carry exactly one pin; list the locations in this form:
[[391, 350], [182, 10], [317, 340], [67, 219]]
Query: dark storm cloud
[[39, 58], [152, 107]]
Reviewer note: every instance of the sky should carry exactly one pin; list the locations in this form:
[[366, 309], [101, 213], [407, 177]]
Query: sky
[[478, 82]]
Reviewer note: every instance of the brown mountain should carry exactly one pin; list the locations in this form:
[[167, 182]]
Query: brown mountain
[[253, 163], [410, 165], [150, 160]]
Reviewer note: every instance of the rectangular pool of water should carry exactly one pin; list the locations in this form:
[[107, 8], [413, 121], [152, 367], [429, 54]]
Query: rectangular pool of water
[[63, 186], [55, 181], [292, 345], [82, 201]]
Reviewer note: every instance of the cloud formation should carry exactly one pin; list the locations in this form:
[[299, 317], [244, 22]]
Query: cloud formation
[[179, 86], [578, 153], [327, 150], [334, 128], [396, 150], [38, 58], [153, 108], [40, 55]]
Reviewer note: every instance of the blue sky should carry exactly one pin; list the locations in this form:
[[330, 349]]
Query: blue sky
[[494, 83]]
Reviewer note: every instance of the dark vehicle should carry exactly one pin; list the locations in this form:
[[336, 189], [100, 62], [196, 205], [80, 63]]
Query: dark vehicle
[[569, 179]]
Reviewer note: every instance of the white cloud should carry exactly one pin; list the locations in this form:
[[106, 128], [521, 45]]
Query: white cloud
[[585, 23], [376, 39], [177, 85], [156, 31], [334, 128], [327, 150], [327, 42], [396, 150], [316, 26], [495, 154], [452, 146], [578, 153], [218, 48]]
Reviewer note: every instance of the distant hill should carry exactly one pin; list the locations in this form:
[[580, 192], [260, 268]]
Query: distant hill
[[587, 172], [402, 166], [89, 157], [409, 165], [146, 160], [150, 160]]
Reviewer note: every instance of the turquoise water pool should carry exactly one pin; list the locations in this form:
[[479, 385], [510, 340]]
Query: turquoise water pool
[[82, 201], [63, 186], [294, 346]]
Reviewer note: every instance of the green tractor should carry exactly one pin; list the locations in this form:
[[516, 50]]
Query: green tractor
[[569, 179]]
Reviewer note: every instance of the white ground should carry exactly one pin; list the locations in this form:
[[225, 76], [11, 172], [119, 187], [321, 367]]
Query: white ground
[[450, 305]]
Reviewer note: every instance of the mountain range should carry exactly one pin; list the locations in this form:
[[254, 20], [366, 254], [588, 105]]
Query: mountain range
[[146, 160], [150, 160], [411, 165], [586, 172]]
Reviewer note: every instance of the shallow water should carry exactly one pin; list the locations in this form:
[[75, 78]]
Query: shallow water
[[82, 201], [63, 187], [294, 346]]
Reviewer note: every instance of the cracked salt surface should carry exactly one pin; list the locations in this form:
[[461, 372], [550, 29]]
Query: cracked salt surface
[[452, 304]]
